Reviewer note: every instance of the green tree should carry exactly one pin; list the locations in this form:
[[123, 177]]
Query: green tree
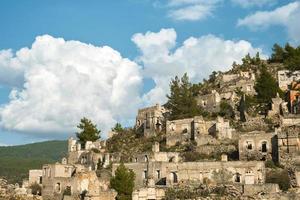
[[123, 182], [278, 54], [181, 101], [288, 55], [226, 110], [118, 128], [88, 131], [266, 86]]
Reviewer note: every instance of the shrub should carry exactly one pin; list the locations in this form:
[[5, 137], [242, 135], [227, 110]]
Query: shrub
[[280, 177], [270, 164], [36, 189], [67, 191], [95, 150]]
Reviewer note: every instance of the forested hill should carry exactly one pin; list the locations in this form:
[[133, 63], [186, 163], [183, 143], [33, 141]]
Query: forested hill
[[15, 161]]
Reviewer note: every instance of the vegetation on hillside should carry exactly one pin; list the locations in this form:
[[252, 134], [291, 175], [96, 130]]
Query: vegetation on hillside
[[288, 55], [16, 161], [128, 142], [281, 177]]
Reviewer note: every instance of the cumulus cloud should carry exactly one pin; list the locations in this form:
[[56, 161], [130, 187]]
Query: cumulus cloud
[[196, 56], [287, 16], [191, 10], [64, 81], [11, 69], [253, 3]]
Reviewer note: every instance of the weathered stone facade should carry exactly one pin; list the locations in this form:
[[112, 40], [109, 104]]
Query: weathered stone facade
[[256, 146], [288, 143], [173, 173], [197, 129], [285, 78], [150, 120]]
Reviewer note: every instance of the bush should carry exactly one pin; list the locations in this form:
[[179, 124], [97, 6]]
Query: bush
[[95, 150], [270, 164], [67, 191], [36, 189], [280, 177], [226, 110]]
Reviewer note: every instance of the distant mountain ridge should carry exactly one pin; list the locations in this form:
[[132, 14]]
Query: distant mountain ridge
[[15, 161]]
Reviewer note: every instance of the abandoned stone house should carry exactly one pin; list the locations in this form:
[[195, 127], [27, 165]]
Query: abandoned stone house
[[63, 181], [164, 173], [288, 143], [76, 175], [150, 120], [294, 101], [88, 155], [257, 145], [197, 129], [155, 155], [35, 176], [250, 75], [285, 78]]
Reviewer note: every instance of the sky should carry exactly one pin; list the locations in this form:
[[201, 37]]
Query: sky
[[61, 60]]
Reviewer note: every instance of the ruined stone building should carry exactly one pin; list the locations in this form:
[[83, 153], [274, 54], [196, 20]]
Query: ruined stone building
[[285, 78], [197, 129], [75, 176], [150, 120], [153, 175], [256, 145], [228, 85], [288, 143]]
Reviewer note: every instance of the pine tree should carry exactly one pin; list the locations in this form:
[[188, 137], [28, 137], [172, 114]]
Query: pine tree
[[123, 182], [266, 86], [88, 131], [181, 101], [118, 128], [278, 54]]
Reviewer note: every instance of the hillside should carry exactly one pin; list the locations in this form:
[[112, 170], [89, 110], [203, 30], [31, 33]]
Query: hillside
[[15, 161]]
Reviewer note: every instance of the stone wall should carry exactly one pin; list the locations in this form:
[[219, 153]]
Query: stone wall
[[196, 129], [171, 174], [259, 188], [35, 176], [256, 145]]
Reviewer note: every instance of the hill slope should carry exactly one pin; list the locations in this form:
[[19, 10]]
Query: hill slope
[[15, 161]]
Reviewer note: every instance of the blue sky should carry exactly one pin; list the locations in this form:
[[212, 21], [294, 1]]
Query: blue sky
[[113, 23]]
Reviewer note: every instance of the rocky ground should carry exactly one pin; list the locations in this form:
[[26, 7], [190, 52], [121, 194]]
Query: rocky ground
[[14, 192]]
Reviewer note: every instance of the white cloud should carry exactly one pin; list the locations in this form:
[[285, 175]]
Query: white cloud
[[253, 3], [191, 10], [66, 80], [287, 16], [196, 56], [11, 69]]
